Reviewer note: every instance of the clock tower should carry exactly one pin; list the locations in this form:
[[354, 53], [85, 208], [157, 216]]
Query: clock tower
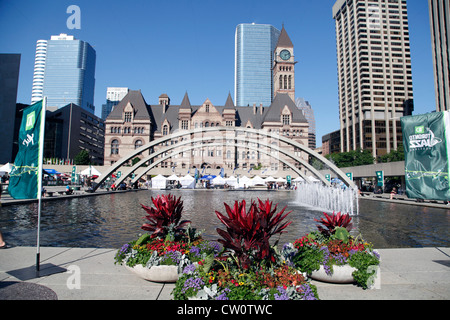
[[284, 66]]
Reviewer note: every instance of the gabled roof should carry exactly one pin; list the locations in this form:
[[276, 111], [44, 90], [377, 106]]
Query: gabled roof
[[283, 40], [135, 98], [281, 100]]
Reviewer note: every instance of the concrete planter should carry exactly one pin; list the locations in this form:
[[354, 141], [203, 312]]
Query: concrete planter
[[341, 274], [165, 274]]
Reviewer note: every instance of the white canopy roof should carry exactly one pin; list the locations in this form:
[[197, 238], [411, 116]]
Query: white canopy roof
[[91, 171], [187, 177], [173, 177], [218, 180], [270, 179], [6, 168], [257, 180]]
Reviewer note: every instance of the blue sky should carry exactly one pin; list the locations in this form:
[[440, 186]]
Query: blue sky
[[188, 45]]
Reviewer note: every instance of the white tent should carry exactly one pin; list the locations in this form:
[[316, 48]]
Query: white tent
[[270, 179], [280, 180], [187, 182], [244, 182], [218, 181], [258, 181], [312, 179], [173, 178], [299, 179], [90, 171], [5, 169], [232, 181], [159, 182]]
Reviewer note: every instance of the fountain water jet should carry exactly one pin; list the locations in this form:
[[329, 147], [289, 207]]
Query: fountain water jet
[[331, 199]]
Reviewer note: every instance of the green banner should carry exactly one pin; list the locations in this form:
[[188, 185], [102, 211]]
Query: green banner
[[426, 142], [23, 183]]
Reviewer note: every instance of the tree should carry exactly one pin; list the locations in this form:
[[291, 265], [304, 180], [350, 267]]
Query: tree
[[352, 158], [82, 158], [393, 156]]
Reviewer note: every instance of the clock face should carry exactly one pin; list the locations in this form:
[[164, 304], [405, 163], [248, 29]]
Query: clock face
[[285, 55]]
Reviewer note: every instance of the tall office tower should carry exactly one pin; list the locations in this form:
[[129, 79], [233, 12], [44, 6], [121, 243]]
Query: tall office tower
[[113, 97], [440, 33], [374, 73], [254, 55], [39, 71], [308, 112], [9, 81], [69, 75]]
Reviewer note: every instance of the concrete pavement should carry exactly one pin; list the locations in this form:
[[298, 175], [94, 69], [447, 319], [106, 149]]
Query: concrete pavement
[[90, 274]]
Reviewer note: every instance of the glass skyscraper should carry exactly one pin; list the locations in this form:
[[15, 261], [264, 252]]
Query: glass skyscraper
[[254, 49], [69, 75]]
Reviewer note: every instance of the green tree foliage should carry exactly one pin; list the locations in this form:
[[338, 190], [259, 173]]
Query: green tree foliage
[[82, 158], [352, 158], [393, 156]]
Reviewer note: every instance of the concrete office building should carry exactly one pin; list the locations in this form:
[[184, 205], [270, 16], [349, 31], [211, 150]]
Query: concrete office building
[[69, 72], [374, 73], [9, 80], [440, 33]]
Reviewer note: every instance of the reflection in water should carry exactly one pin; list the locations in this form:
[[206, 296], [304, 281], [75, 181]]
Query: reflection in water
[[108, 221]]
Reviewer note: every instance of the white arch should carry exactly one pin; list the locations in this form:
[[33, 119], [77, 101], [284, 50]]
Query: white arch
[[234, 130]]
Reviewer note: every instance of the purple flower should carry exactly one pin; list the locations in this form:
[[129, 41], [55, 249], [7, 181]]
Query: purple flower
[[189, 269], [283, 294], [192, 283]]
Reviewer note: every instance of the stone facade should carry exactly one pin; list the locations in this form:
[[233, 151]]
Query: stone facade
[[134, 123]]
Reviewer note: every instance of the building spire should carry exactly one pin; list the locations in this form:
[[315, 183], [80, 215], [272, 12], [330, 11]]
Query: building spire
[[284, 40]]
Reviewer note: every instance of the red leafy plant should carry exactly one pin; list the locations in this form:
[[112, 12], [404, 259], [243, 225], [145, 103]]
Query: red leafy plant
[[248, 232], [164, 219], [330, 222]]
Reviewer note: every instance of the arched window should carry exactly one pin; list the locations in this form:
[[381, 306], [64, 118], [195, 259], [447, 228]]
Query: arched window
[[290, 82], [138, 144], [206, 124], [115, 147], [165, 130], [281, 82], [228, 154], [285, 82]]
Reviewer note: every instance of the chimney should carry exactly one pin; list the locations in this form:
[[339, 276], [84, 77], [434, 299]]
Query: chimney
[[261, 109], [254, 108]]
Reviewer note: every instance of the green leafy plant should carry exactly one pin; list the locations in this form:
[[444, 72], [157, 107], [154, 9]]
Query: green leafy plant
[[248, 232], [164, 219], [333, 245]]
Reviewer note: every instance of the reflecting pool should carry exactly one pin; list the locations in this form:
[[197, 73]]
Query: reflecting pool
[[109, 221]]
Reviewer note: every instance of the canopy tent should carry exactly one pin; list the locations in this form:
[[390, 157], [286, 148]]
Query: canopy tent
[[244, 182], [6, 169], [258, 181], [173, 178], [312, 179], [90, 171], [299, 179], [280, 179], [270, 179], [187, 182], [218, 181], [232, 181], [208, 177], [159, 182], [50, 171]]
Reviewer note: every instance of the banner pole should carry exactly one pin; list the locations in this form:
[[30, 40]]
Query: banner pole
[[40, 170]]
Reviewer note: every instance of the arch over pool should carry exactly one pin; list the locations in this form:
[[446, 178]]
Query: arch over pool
[[231, 134]]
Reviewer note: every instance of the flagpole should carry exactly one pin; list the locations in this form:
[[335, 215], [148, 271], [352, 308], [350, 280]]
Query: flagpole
[[39, 179]]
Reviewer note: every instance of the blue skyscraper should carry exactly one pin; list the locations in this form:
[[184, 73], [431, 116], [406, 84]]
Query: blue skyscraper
[[69, 75], [254, 49]]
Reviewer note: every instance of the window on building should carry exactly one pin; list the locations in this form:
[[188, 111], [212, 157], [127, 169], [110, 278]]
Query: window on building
[[115, 147], [138, 144], [286, 119], [185, 124], [207, 108], [165, 130], [128, 116]]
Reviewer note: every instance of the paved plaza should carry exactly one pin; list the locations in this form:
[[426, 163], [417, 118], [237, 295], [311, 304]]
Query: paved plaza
[[90, 274]]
